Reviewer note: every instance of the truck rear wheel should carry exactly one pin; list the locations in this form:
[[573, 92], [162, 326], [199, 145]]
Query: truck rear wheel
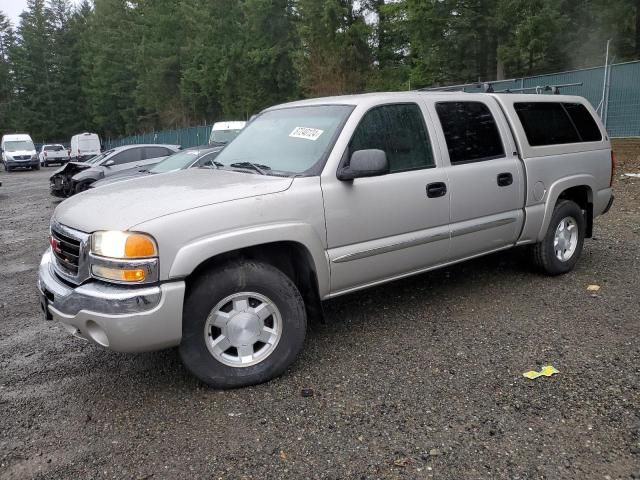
[[560, 249], [243, 323]]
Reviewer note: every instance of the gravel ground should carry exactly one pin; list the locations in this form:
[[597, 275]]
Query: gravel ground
[[421, 378]]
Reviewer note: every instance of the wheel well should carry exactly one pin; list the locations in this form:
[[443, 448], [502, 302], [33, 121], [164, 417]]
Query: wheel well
[[583, 196], [291, 258]]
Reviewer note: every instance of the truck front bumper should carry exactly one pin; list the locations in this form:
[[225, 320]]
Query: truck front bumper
[[23, 163], [122, 318]]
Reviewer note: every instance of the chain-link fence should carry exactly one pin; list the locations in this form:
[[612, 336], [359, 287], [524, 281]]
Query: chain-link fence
[[187, 137]]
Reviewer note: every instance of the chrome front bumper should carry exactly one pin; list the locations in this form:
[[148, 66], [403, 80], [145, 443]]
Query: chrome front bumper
[[122, 318]]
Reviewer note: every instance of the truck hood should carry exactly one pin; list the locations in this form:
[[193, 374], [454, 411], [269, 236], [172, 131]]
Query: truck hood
[[123, 205]]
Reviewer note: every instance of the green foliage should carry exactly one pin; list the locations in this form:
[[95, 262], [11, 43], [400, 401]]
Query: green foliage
[[124, 66]]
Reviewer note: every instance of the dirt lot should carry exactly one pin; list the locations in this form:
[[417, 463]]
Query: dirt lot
[[421, 378]]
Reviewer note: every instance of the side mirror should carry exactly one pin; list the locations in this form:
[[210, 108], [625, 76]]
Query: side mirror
[[365, 163], [108, 163]]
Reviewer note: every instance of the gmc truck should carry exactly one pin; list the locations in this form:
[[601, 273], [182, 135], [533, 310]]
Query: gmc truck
[[316, 199]]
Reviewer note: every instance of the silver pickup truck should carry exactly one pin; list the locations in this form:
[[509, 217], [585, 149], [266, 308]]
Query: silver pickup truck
[[315, 199]]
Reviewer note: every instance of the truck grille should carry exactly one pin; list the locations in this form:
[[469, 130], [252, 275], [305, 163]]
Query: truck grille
[[22, 157], [66, 250]]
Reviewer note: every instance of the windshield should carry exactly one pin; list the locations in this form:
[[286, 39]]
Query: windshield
[[224, 136], [291, 140], [17, 145], [53, 148], [177, 161]]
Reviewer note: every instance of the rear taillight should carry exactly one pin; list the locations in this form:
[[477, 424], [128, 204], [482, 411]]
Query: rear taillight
[[613, 167]]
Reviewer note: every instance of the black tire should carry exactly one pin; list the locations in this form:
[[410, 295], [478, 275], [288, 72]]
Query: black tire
[[82, 186], [36, 167], [213, 286], [544, 256]]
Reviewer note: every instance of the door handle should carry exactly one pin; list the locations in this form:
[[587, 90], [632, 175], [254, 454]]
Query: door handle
[[505, 179], [436, 189]]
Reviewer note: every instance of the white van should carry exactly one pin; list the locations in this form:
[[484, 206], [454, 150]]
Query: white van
[[84, 146], [18, 151], [223, 132]]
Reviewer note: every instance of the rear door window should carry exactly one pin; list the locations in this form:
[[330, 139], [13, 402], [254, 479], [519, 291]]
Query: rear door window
[[584, 122], [400, 131], [155, 152], [470, 131]]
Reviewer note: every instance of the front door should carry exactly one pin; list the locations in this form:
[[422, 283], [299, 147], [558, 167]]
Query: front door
[[383, 227]]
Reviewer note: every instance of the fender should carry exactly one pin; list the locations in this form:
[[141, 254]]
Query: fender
[[554, 192], [198, 251], [88, 174]]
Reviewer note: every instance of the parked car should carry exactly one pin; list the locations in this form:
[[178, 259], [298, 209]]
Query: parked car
[[18, 151], [316, 199], [223, 132], [191, 157], [84, 146], [53, 153], [76, 177]]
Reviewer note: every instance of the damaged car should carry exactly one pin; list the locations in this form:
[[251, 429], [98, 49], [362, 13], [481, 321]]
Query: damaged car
[[76, 177], [193, 157]]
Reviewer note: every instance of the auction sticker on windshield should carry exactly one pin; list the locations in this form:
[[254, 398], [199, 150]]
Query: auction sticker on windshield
[[307, 133]]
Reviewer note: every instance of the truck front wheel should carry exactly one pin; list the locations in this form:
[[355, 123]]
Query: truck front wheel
[[560, 249], [243, 323]]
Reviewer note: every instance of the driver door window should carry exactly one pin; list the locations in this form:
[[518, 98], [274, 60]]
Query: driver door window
[[399, 131]]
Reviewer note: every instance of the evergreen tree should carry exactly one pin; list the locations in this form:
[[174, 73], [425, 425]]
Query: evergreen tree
[[109, 61], [7, 94], [31, 63], [158, 66], [335, 41], [122, 66]]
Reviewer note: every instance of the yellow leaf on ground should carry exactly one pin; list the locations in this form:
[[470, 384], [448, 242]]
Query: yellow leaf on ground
[[546, 371]]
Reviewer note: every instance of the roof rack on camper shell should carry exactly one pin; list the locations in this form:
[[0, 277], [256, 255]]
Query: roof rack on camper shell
[[487, 87]]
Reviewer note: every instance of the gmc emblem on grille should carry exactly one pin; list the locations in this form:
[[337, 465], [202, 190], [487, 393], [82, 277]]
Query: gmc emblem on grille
[[55, 244]]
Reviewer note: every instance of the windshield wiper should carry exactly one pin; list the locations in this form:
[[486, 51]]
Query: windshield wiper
[[253, 166]]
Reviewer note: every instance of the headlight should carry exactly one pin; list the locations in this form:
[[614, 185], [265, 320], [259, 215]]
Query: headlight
[[124, 257], [123, 245]]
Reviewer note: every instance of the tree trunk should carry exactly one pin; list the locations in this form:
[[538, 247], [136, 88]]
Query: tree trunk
[[499, 69]]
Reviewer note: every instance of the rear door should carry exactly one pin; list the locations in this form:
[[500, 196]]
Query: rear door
[[485, 176], [388, 226]]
